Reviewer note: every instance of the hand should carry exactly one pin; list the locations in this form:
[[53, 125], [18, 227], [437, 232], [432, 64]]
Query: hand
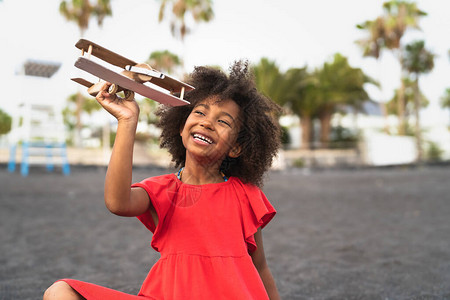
[[122, 110]]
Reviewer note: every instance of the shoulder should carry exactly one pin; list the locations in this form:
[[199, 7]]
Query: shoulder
[[161, 179], [247, 188], [155, 185]]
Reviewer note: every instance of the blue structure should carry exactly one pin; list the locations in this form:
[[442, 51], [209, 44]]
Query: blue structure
[[38, 129], [49, 150]]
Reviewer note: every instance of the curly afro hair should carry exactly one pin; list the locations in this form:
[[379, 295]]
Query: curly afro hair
[[259, 135]]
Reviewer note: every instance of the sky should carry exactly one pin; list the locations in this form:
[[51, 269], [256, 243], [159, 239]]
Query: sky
[[293, 33]]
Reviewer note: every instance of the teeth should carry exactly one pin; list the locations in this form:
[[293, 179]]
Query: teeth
[[202, 138]]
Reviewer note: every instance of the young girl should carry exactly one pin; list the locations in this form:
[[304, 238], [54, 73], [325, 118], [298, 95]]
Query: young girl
[[206, 219]]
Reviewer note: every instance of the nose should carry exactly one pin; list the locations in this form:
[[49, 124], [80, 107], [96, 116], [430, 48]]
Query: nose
[[207, 124]]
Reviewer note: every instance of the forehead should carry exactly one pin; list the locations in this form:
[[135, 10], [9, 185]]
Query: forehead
[[227, 105]]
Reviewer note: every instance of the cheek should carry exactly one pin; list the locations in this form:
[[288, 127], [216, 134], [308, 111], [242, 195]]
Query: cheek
[[183, 135], [184, 126], [229, 138]]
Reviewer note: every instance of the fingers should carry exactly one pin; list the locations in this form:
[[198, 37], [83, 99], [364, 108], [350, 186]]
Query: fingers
[[103, 92], [114, 104], [108, 91]]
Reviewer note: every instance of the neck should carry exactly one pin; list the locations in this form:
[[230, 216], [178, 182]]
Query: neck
[[198, 173]]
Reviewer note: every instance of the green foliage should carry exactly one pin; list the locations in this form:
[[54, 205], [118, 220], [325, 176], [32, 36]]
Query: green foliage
[[417, 59], [434, 152], [112, 138], [89, 105], [299, 163], [269, 79], [164, 61], [340, 83], [343, 138], [80, 12], [199, 10], [376, 39], [392, 107], [5, 122], [387, 30], [285, 137], [445, 99], [324, 89], [399, 16], [147, 111], [299, 91], [69, 118], [316, 94]]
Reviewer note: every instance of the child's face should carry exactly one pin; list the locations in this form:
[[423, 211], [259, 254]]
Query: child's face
[[211, 130]]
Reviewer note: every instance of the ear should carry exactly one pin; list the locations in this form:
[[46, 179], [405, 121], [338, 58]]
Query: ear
[[235, 151]]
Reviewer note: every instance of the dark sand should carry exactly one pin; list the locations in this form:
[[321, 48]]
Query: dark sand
[[340, 234]]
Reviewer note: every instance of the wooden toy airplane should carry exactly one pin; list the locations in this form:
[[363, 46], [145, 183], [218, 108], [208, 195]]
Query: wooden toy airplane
[[131, 79]]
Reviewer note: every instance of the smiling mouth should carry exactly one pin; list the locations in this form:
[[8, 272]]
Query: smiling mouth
[[202, 138]]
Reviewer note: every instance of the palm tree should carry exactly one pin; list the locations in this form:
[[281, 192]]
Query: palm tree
[[89, 105], [300, 95], [339, 85], [164, 61], [417, 60], [269, 79], [200, 10], [293, 90], [375, 42], [5, 122], [445, 99], [372, 47], [386, 32], [400, 15], [81, 11], [392, 105]]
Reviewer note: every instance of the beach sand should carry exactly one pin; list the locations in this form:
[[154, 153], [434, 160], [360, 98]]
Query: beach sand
[[339, 234]]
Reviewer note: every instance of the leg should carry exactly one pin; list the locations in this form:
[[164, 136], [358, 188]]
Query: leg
[[61, 290]]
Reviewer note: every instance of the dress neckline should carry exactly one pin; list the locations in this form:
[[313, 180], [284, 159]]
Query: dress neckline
[[230, 179]]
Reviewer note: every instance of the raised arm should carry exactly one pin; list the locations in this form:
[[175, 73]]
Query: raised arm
[[120, 198]]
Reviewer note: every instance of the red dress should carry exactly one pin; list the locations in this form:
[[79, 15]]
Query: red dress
[[204, 235]]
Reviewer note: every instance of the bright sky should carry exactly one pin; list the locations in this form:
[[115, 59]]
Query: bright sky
[[293, 33]]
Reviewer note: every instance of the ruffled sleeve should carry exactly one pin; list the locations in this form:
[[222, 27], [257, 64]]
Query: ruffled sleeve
[[158, 189], [256, 211]]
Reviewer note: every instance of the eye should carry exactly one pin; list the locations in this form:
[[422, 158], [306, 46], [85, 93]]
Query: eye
[[198, 112], [225, 122]]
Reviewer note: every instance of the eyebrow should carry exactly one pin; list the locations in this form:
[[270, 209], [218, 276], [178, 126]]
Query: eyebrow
[[222, 113]]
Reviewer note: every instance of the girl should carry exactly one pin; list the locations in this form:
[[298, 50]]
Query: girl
[[206, 219]]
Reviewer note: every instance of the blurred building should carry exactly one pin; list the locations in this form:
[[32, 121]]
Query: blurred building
[[38, 132], [375, 147]]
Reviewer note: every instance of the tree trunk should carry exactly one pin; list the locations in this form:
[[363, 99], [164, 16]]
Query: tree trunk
[[417, 115], [401, 98], [385, 117], [78, 124], [325, 127], [401, 109], [306, 125], [381, 102]]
